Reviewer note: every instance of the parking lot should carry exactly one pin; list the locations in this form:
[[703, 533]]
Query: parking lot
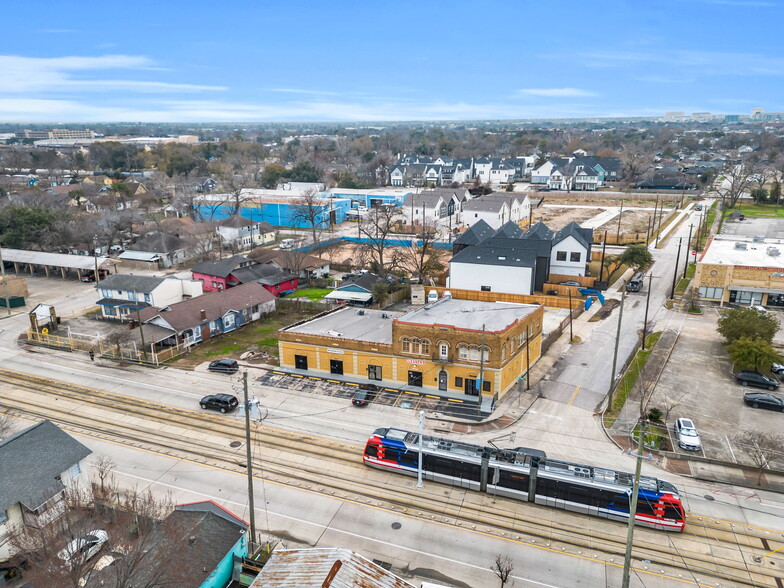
[[697, 383]]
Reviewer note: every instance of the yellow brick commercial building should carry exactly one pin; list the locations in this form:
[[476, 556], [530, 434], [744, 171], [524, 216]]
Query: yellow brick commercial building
[[741, 270], [451, 348]]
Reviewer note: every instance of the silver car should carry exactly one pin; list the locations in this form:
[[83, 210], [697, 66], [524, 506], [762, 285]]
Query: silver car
[[688, 437]]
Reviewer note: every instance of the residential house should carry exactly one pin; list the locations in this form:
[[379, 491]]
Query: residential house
[[299, 263], [161, 249], [576, 172], [666, 182], [571, 250], [212, 314], [238, 269], [243, 233], [322, 567], [123, 295], [493, 269], [496, 209], [277, 281], [439, 207], [356, 291], [37, 465]]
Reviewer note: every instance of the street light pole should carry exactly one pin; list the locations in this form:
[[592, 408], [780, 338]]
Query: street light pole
[[249, 469], [688, 248], [615, 353], [627, 558], [571, 333], [601, 264], [647, 302], [675, 273], [5, 283], [421, 448]]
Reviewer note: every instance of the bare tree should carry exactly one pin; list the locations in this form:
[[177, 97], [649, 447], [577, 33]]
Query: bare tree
[[502, 567], [736, 182], [377, 227], [422, 257], [6, 425], [633, 165], [104, 468], [309, 211], [669, 403], [762, 448]]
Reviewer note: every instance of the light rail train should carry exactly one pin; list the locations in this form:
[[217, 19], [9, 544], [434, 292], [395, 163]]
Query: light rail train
[[528, 475]]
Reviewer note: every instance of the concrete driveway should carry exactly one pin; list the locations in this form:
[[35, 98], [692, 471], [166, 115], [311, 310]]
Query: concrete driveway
[[697, 383]]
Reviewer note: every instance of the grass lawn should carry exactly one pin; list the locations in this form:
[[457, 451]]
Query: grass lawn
[[630, 378], [313, 294], [682, 285], [759, 210], [261, 336]]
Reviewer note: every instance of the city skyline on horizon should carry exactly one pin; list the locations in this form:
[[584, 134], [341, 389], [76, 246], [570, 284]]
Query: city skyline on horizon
[[402, 62]]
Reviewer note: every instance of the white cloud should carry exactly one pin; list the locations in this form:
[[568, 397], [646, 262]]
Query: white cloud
[[35, 75], [557, 92]]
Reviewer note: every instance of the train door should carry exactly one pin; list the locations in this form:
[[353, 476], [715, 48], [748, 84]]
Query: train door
[[301, 362], [335, 366], [471, 388]]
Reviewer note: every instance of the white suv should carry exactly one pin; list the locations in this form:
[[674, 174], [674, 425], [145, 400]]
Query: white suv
[[688, 437]]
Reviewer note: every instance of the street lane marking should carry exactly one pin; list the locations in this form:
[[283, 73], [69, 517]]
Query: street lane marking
[[576, 390]]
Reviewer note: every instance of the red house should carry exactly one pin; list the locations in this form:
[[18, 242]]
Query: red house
[[238, 269]]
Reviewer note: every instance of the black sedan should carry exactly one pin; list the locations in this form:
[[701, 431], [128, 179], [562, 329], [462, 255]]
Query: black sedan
[[363, 397], [762, 400], [221, 402], [227, 366]]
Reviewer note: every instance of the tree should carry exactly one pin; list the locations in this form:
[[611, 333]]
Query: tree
[[272, 175], [380, 292], [377, 227], [26, 227], [736, 323], [736, 182], [762, 447], [752, 353], [422, 258], [502, 567], [304, 171], [775, 191], [759, 195], [632, 166], [636, 256], [310, 211], [6, 425]]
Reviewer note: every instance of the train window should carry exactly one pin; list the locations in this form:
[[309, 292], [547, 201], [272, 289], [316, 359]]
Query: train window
[[672, 512], [513, 481], [371, 450], [468, 471], [546, 487], [644, 506], [392, 454], [619, 502], [409, 458], [578, 494]]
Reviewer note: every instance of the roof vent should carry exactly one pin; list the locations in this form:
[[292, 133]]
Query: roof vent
[[773, 251], [759, 239], [740, 245]]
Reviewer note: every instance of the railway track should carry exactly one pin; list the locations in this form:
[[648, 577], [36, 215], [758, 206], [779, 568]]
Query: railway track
[[706, 552]]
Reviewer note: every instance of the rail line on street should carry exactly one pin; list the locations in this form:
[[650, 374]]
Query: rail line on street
[[706, 550]]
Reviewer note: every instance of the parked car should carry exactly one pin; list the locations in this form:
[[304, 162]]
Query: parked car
[[570, 283], [226, 366], [763, 400], [777, 368], [688, 437], [89, 275], [221, 402], [698, 207], [760, 309], [80, 550], [363, 397], [756, 379], [287, 243]]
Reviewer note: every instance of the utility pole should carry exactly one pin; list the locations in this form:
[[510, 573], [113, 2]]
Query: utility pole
[[627, 559], [648, 230], [647, 302], [688, 251], [615, 353], [5, 284], [571, 333], [141, 333], [421, 449], [618, 232], [248, 458], [601, 264], [675, 273]]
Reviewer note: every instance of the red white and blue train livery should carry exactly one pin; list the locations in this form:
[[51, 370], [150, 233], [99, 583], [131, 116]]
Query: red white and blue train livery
[[526, 474]]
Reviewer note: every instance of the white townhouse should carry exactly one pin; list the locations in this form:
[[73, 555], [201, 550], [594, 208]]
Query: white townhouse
[[123, 295], [571, 250]]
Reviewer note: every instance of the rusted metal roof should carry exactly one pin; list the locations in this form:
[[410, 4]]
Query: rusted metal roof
[[324, 568]]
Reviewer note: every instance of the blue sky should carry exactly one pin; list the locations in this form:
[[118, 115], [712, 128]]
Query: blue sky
[[299, 60]]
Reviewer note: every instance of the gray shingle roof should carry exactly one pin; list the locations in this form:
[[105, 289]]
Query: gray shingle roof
[[263, 273], [31, 459], [510, 230], [504, 256], [159, 243], [476, 233], [221, 268], [539, 231], [236, 221], [130, 283], [583, 236]]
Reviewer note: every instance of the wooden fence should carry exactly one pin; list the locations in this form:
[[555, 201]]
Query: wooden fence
[[114, 351], [544, 300]]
